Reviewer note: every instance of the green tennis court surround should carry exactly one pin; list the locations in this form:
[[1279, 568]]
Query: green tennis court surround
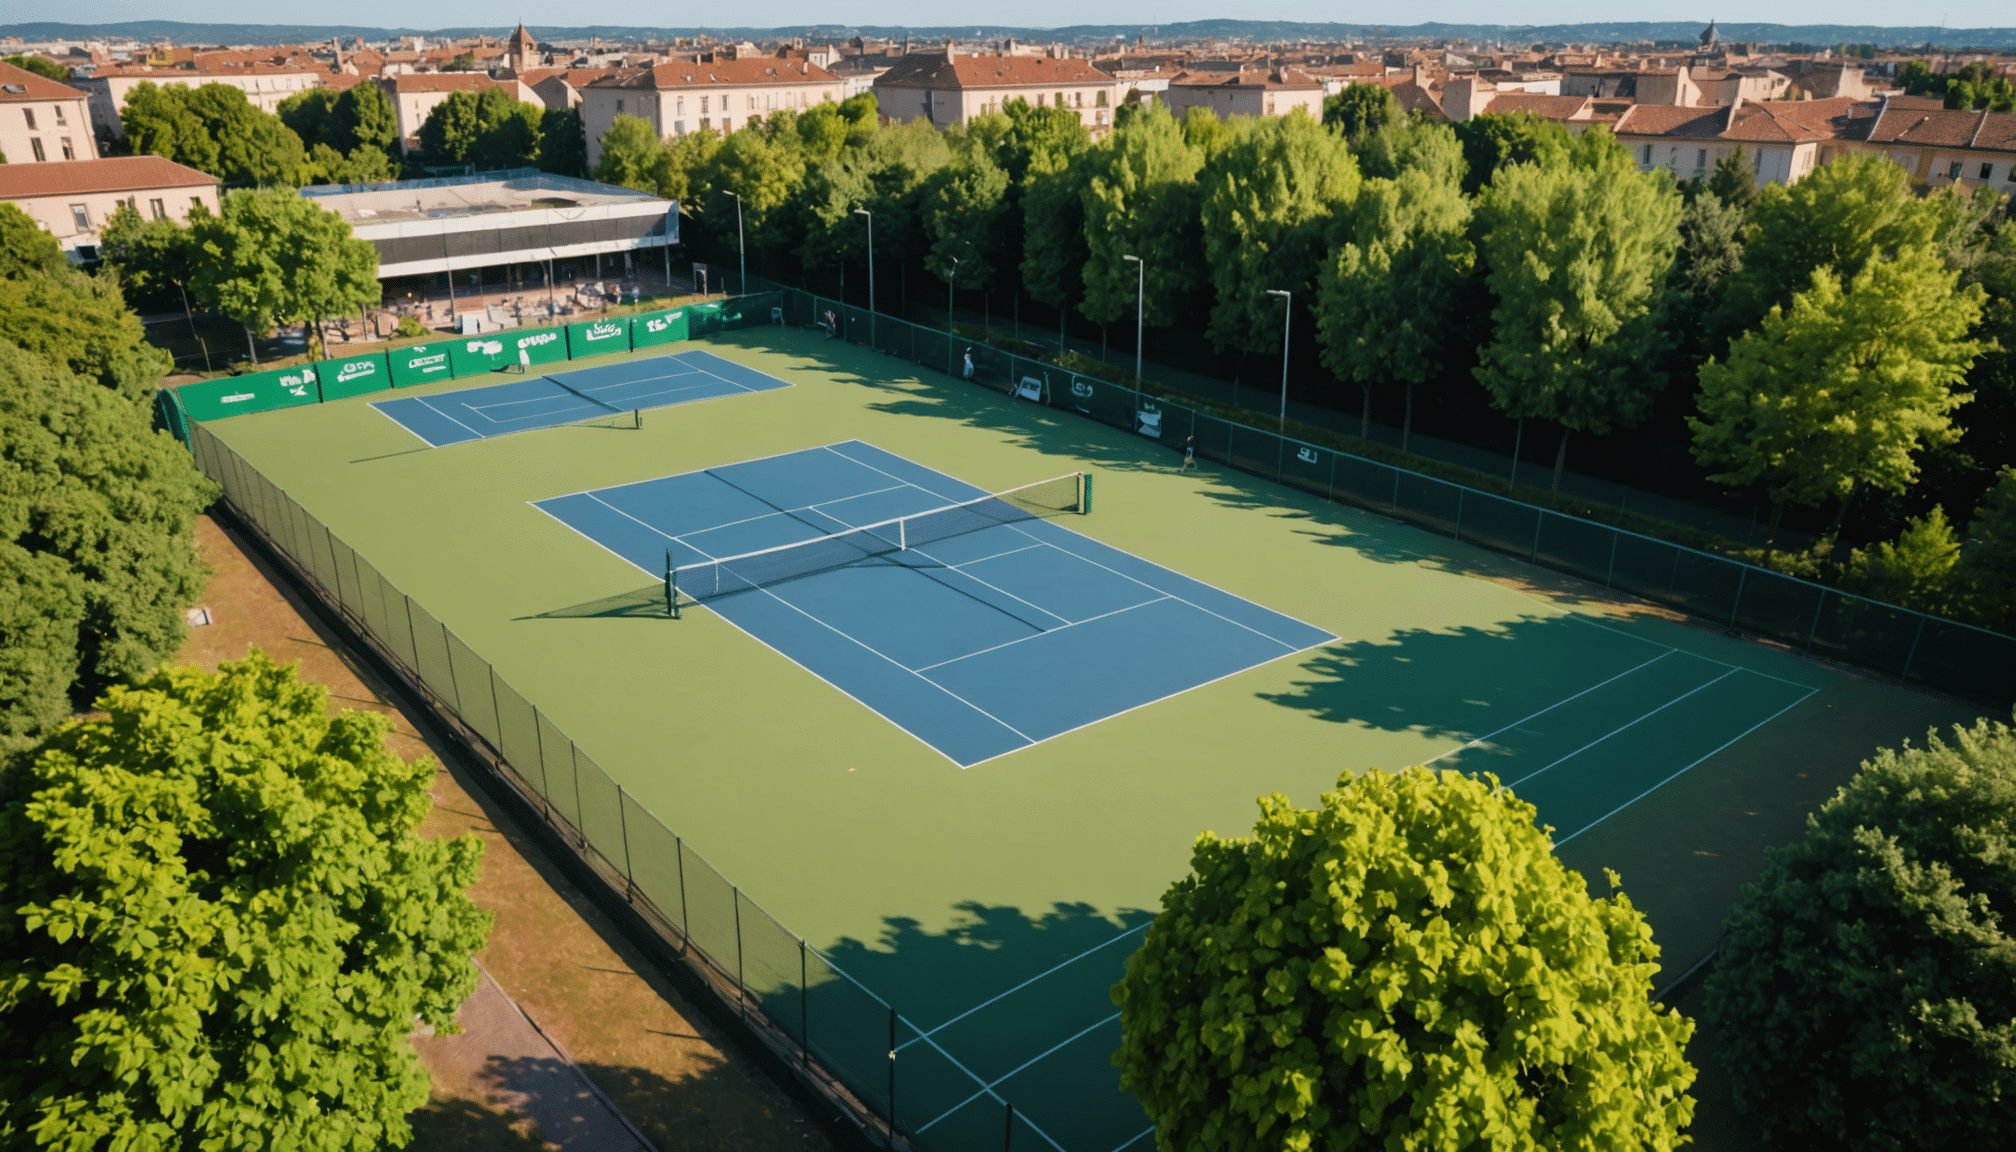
[[854, 892]]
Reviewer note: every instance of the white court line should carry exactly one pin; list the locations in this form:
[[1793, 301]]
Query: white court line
[[988, 1089], [444, 416], [1126, 1144], [1033, 979], [1549, 708], [633, 519], [1690, 767], [1600, 739], [940, 687], [1045, 632], [1696, 655]]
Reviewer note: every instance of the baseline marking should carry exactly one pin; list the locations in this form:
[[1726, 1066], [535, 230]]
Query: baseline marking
[[1600, 739]]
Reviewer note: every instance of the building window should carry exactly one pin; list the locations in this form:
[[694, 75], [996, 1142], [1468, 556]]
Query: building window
[[1102, 100], [1060, 100], [82, 216], [195, 202], [35, 146], [1645, 155], [1700, 158], [1953, 170], [30, 114], [1987, 171], [69, 153], [681, 106], [619, 105], [160, 209], [703, 105], [60, 121]]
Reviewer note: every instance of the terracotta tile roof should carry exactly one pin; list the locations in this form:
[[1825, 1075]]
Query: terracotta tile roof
[[21, 84], [1943, 128], [764, 70], [440, 82], [572, 77], [1546, 107], [115, 174], [1284, 80], [933, 70], [1748, 122], [189, 73]]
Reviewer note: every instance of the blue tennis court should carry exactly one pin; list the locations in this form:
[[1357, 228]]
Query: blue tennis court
[[557, 398], [980, 634]]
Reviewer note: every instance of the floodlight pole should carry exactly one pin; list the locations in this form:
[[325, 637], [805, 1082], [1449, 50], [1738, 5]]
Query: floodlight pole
[[1140, 310], [871, 272], [951, 302], [1287, 317], [741, 253]]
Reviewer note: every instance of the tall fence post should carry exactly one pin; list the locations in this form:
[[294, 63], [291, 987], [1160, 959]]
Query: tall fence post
[[741, 988], [1913, 653], [623, 822], [1736, 604], [685, 921], [892, 1077], [804, 1010]]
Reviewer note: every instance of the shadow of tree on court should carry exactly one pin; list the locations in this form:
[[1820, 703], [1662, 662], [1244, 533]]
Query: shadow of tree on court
[[1457, 683], [454, 1124], [931, 976]]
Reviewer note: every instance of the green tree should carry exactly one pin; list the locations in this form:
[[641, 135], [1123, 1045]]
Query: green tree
[[1415, 144], [1142, 199], [963, 209], [40, 66], [1987, 573], [1916, 571], [27, 248], [766, 169], [630, 154], [97, 550], [214, 128], [274, 258], [1839, 216], [1495, 139], [363, 165], [488, 129], [889, 174], [1362, 111], [1579, 252], [153, 259], [1053, 232], [1844, 387], [1976, 86], [1339, 979], [1391, 300], [81, 323], [1867, 981], [220, 928], [563, 143], [358, 125], [1734, 181], [1270, 204]]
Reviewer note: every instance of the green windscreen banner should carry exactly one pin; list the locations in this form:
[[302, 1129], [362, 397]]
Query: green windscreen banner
[[653, 328], [253, 392], [538, 346], [354, 376], [474, 355], [598, 337], [420, 364]]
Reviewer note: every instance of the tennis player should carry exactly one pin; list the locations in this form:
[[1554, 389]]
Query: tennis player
[[1189, 453], [969, 364]]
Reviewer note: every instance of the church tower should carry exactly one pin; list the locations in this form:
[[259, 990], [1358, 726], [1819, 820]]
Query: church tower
[[521, 51]]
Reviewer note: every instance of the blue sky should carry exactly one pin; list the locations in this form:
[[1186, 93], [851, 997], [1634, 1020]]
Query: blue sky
[[1048, 13]]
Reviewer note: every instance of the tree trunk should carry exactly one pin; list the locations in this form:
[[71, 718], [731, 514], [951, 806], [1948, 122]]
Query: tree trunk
[[250, 351], [1407, 422], [1561, 459], [1365, 414], [1840, 514]]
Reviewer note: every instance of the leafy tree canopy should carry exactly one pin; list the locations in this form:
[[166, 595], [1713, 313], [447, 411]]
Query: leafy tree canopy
[[1271, 199], [1414, 144], [1914, 571], [963, 209], [1361, 111], [97, 555], [41, 66], [1977, 86], [1867, 981], [1142, 199], [274, 258], [1987, 572], [27, 248], [1845, 386], [1495, 139], [214, 128], [218, 926], [79, 322], [1340, 979], [1391, 298]]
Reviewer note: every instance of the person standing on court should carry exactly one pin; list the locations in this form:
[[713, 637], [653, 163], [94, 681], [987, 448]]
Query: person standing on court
[[832, 324], [1189, 452], [969, 365]]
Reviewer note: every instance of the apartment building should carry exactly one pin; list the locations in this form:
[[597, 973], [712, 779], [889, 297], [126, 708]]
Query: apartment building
[[265, 85], [947, 88], [1247, 92], [1784, 139], [42, 120], [1940, 145], [74, 199], [719, 96]]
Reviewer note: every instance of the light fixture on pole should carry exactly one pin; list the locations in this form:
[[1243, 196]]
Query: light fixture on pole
[[871, 272], [1140, 310], [1287, 315], [741, 253]]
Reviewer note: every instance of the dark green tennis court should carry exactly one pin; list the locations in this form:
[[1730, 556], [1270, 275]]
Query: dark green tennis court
[[866, 893]]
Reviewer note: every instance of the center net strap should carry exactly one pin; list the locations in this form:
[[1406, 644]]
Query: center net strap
[[712, 579]]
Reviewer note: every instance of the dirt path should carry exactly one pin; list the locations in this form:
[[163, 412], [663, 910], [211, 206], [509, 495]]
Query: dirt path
[[565, 980]]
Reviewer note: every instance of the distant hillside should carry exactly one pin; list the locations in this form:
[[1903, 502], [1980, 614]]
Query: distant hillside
[[1263, 31]]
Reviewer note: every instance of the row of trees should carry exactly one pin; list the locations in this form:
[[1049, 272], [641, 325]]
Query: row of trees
[[1809, 345], [1976, 86], [351, 136]]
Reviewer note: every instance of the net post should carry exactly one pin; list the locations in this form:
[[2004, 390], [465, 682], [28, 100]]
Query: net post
[[903, 535], [671, 587], [637, 417], [1084, 493]]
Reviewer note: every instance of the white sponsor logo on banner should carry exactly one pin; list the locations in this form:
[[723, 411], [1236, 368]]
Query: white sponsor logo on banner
[[1080, 389], [1306, 455], [602, 330], [356, 370], [536, 339]]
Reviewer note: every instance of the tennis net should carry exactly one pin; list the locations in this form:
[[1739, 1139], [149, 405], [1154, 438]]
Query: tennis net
[[635, 416], [712, 579]]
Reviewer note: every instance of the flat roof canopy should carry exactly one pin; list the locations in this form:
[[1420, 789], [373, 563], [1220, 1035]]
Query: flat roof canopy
[[522, 215]]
